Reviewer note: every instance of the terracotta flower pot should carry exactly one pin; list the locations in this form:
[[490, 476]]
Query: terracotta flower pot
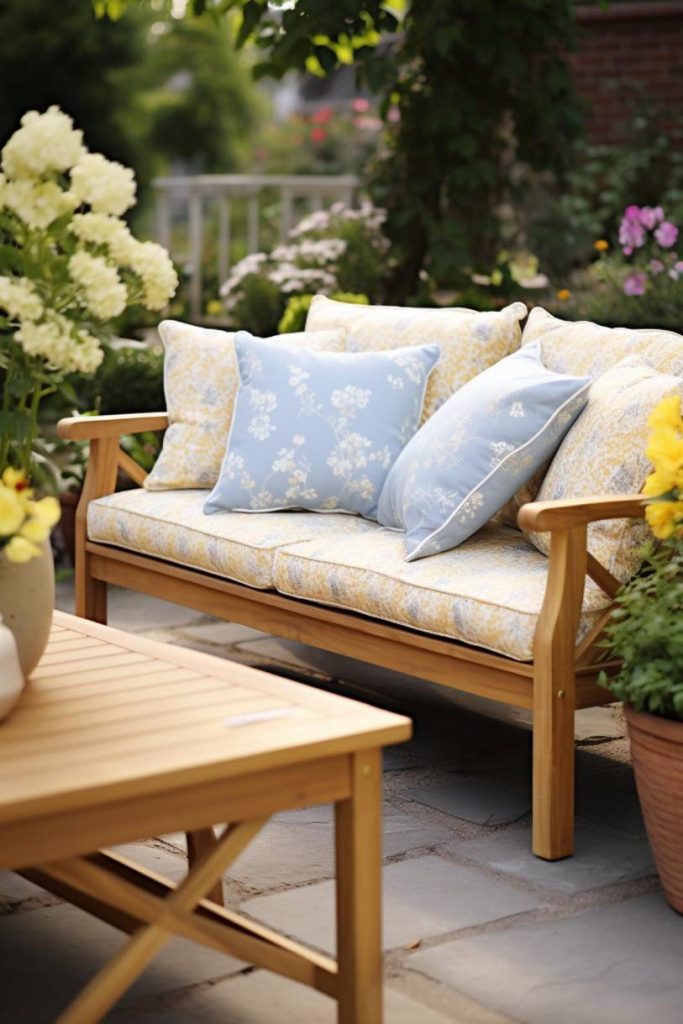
[[27, 599], [657, 754]]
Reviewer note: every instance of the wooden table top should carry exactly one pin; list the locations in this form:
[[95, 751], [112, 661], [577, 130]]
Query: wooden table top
[[108, 714]]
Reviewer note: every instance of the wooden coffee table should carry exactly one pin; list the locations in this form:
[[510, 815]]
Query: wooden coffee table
[[118, 738]]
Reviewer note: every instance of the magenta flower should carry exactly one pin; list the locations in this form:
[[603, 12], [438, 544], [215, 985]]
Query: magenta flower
[[635, 283], [657, 267], [631, 231], [666, 234], [650, 216]]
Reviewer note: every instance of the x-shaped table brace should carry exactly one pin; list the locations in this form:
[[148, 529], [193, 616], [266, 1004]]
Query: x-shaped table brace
[[154, 910]]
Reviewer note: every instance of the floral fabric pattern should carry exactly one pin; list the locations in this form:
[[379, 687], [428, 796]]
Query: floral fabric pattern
[[172, 525], [200, 382], [604, 453], [590, 349], [489, 438], [469, 341], [487, 592], [318, 430]]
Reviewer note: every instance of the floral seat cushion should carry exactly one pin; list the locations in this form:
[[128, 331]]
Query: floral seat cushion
[[487, 592], [235, 545]]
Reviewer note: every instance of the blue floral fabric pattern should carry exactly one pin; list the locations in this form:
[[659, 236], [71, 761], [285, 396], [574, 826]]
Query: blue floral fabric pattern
[[474, 453], [318, 430]]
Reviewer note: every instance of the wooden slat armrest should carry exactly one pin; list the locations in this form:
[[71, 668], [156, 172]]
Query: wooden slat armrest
[[88, 428], [542, 516]]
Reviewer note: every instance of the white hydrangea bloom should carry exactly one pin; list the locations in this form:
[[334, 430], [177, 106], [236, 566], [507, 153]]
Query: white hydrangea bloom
[[103, 229], [19, 298], [155, 269], [105, 185], [57, 341], [37, 203], [104, 293], [45, 143]]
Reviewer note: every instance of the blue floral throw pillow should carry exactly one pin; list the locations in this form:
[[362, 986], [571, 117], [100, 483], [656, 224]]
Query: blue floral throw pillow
[[474, 453], [318, 430]]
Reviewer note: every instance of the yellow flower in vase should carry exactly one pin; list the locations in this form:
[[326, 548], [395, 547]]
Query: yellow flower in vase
[[664, 517], [19, 549], [12, 511]]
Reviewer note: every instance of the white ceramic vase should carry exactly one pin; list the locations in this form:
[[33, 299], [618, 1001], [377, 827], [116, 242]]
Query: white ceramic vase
[[27, 599], [11, 676]]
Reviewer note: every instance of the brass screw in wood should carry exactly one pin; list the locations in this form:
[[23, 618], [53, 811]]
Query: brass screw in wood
[[560, 694], [366, 770]]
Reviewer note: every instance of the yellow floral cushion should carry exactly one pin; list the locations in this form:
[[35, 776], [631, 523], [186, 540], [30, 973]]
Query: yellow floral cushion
[[487, 592], [469, 341], [200, 381], [588, 349], [604, 453], [237, 545]]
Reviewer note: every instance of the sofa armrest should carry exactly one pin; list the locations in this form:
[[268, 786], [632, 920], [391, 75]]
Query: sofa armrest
[[551, 516], [90, 428]]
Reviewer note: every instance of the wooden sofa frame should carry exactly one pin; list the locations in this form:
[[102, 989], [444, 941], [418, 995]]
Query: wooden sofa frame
[[561, 678]]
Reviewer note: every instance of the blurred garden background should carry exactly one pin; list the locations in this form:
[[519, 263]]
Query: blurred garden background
[[440, 152]]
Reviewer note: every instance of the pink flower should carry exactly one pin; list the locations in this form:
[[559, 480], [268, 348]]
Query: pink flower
[[394, 115], [666, 234], [360, 105], [322, 116], [318, 134], [631, 231], [678, 266], [635, 283], [650, 216], [657, 267]]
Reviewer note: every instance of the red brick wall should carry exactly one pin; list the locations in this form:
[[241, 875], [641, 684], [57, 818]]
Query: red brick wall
[[626, 45]]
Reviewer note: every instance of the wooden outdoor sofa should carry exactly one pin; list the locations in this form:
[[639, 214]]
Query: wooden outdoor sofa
[[561, 677]]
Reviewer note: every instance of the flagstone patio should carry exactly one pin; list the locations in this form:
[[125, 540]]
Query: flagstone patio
[[477, 930]]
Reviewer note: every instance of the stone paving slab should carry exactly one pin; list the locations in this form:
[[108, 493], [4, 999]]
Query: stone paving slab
[[607, 794], [298, 846], [603, 857], [63, 947], [616, 964], [423, 897], [15, 889], [263, 998], [481, 801]]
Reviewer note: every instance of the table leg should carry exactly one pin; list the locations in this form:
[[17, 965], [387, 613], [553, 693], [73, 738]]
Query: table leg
[[359, 888], [197, 842]]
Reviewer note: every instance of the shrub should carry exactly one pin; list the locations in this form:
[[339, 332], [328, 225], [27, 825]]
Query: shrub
[[330, 251], [131, 380]]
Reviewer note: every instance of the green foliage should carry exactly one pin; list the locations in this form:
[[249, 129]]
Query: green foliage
[[57, 53], [195, 100], [326, 142], [469, 88], [646, 168], [131, 380], [646, 633], [296, 310]]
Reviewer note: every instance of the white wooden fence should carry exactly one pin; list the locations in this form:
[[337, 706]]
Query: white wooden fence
[[184, 204]]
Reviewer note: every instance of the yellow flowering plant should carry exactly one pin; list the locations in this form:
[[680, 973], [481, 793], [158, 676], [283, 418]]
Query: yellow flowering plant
[[69, 265], [646, 630], [24, 521]]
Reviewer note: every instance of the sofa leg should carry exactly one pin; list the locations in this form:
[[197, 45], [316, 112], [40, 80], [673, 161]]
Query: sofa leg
[[91, 594], [553, 769]]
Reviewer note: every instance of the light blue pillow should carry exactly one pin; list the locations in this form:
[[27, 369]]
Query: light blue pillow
[[488, 439], [318, 430]]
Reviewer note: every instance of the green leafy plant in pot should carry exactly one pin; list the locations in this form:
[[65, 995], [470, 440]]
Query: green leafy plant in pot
[[646, 633]]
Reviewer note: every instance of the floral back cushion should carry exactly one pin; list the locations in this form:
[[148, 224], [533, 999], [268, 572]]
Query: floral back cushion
[[469, 341], [590, 349], [200, 382], [604, 453], [318, 430]]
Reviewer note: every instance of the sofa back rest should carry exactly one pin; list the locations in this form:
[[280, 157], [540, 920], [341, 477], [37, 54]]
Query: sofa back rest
[[588, 349], [469, 341]]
